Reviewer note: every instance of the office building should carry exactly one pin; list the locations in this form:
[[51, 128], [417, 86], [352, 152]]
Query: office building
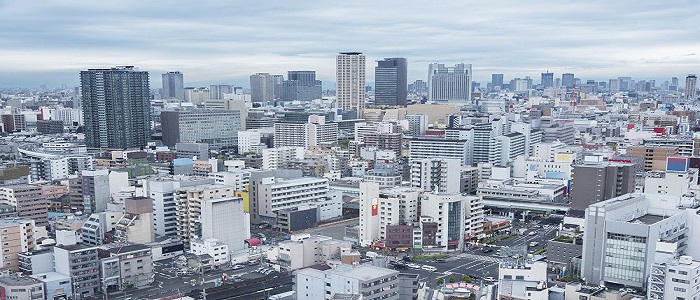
[[316, 132], [218, 128], [217, 91], [390, 82], [14, 122], [368, 281], [523, 281], [654, 158], [28, 201], [458, 217], [547, 80], [304, 250], [94, 191], [417, 124], [567, 80], [496, 82], [116, 107], [219, 216], [369, 213], [420, 148], [173, 86], [350, 82], [686, 146], [127, 266], [397, 206], [437, 174], [596, 182], [450, 84], [270, 194], [49, 126], [82, 264], [198, 95], [262, 87], [56, 286], [301, 86], [189, 208], [691, 87], [17, 236]]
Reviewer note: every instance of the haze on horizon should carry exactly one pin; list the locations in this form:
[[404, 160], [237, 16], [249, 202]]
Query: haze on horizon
[[227, 41]]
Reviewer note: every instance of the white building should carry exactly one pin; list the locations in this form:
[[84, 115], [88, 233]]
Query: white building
[[277, 158], [673, 278], [368, 281], [350, 82], [248, 141], [314, 133], [220, 216], [527, 281], [458, 217], [436, 174], [218, 251], [190, 207], [369, 213], [94, 229], [277, 193], [417, 124], [450, 84], [239, 179], [397, 206], [163, 192], [304, 250], [422, 148]]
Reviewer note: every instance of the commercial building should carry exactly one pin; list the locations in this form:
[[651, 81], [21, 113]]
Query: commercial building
[[133, 262], [28, 201], [263, 86], [301, 86], [691, 86], [523, 281], [397, 206], [173, 86], [437, 174], [450, 84], [82, 265], [94, 190], [458, 218], [654, 158], [18, 237], [422, 148], [567, 80], [219, 216], [271, 194], [547, 80], [49, 126], [56, 286], [163, 192], [189, 208], [673, 278], [369, 213], [391, 83], [93, 231], [218, 128], [350, 82], [21, 287], [116, 107], [417, 124], [686, 146], [368, 281], [304, 250], [595, 182]]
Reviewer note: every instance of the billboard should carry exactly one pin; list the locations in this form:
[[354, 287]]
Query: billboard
[[678, 164]]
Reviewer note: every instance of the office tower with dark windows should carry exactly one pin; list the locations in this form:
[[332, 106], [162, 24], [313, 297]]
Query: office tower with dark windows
[[547, 80], [450, 84], [496, 82], [391, 84], [116, 107], [262, 87], [173, 87], [691, 86], [350, 82], [567, 80], [301, 86], [217, 91]]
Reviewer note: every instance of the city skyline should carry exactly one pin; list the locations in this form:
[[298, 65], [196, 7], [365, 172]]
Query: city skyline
[[51, 43]]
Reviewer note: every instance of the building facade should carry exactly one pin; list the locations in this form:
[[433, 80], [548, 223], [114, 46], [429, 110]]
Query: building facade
[[391, 83], [218, 128], [350, 82]]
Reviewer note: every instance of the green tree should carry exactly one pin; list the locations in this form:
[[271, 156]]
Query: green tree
[[440, 281], [452, 279], [472, 296], [466, 279]]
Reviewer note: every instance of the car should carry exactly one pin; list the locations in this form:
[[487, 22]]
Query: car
[[534, 244], [490, 279], [258, 270], [441, 260], [269, 271], [238, 267], [429, 268], [407, 258], [486, 250], [532, 233], [413, 266], [253, 262]]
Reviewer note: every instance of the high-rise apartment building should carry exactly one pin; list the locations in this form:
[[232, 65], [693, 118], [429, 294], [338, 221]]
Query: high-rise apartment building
[[17, 237], [567, 80], [116, 107], [95, 190], [301, 86], [496, 82], [417, 124], [173, 86], [390, 82], [28, 201], [262, 87], [369, 282], [350, 82], [691, 86], [163, 192], [189, 208], [450, 84], [547, 80], [596, 182], [82, 264], [437, 174], [315, 132], [216, 127], [217, 91]]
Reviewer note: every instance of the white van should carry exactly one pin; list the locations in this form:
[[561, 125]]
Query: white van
[[429, 268]]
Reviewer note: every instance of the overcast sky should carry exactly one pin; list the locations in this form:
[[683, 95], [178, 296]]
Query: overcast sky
[[49, 42]]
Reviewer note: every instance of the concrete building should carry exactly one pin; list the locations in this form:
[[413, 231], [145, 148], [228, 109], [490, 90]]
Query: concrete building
[[192, 150], [673, 278], [17, 235], [136, 224], [422, 148], [163, 192], [458, 218], [36, 261], [391, 83], [238, 179], [56, 285], [262, 87], [49, 126], [274, 193], [279, 157], [197, 95], [248, 141], [95, 190], [21, 287], [686, 146], [190, 204], [595, 182], [124, 92], [134, 262], [304, 250], [28, 201], [219, 252], [523, 281], [97, 225], [417, 124], [219, 216], [369, 213], [173, 86], [437, 174], [369, 281], [350, 82], [316, 132], [654, 157], [691, 86], [215, 127], [82, 265], [397, 206], [301, 86], [450, 84]]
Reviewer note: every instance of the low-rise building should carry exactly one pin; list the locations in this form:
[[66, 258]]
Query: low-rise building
[[82, 264], [21, 287], [56, 286], [368, 281]]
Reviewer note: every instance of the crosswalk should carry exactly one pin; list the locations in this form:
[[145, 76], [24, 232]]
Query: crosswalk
[[480, 257]]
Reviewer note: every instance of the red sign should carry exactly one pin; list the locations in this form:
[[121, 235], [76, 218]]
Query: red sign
[[374, 209]]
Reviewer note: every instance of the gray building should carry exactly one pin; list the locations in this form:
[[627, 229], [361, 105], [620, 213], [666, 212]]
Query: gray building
[[496, 82], [49, 126], [216, 127], [191, 150], [263, 86], [82, 264], [450, 84], [21, 287], [173, 86], [135, 265], [390, 82], [301, 86], [595, 182], [547, 80], [116, 107], [567, 80], [217, 91]]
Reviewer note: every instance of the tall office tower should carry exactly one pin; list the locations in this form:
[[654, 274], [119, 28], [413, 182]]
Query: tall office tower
[[625, 83], [567, 80], [496, 82], [350, 81], [216, 127], [173, 87], [674, 80], [217, 91], [116, 107], [547, 80], [277, 86], [450, 84], [691, 86], [614, 86], [262, 87], [301, 86], [390, 86], [420, 87]]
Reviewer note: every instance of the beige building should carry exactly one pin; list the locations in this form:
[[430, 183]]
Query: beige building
[[350, 81], [29, 201], [136, 225], [654, 157], [189, 206], [17, 236]]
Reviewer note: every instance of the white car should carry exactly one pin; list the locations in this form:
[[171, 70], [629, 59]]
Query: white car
[[238, 267], [413, 266], [532, 233], [429, 268], [490, 279]]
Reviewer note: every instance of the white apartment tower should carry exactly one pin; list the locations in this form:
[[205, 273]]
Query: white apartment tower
[[350, 81], [369, 213], [450, 84], [437, 174]]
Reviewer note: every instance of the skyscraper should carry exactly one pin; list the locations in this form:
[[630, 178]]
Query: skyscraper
[[350, 81], [496, 82], [450, 84], [547, 80], [116, 107], [262, 87], [691, 86], [301, 86], [567, 80], [173, 86], [217, 91], [390, 87]]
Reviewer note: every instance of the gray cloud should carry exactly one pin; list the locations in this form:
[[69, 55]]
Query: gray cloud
[[226, 41]]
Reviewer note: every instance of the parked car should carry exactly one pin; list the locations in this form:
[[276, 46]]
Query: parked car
[[253, 262], [441, 260], [414, 266], [238, 267], [532, 233], [486, 250], [534, 244]]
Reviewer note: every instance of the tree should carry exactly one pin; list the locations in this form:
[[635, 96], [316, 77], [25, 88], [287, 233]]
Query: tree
[[472, 296], [452, 279], [440, 281], [466, 279]]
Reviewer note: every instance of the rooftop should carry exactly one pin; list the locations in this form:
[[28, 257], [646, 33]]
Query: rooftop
[[648, 219], [18, 281]]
